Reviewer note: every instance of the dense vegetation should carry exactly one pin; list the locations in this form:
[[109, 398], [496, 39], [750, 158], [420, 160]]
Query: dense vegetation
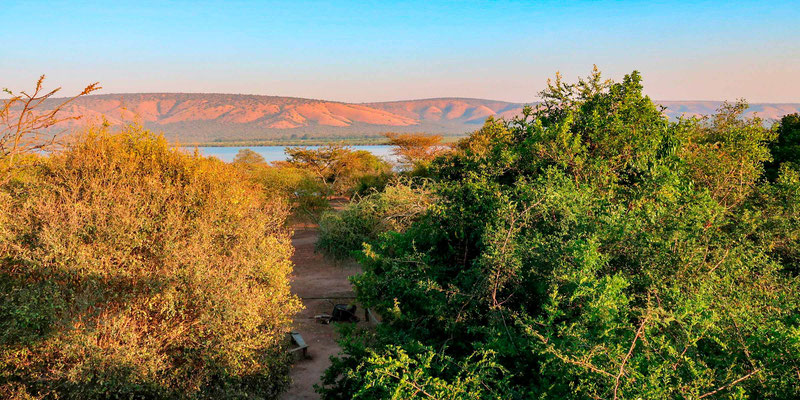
[[590, 248], [342, 170], [131, 270], [311, 177], [393, 209]]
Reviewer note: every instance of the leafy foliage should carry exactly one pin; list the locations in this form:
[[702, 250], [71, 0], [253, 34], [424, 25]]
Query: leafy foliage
[[306, 193], [340, 169], [786, 149], [595, 250], [393, 209], [415, 149], [131, 270]]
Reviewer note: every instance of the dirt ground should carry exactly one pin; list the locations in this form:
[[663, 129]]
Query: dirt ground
[[319, 283]]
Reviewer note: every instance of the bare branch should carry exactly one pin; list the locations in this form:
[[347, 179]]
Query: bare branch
[[726, 386], [628, 356], [24, 122]]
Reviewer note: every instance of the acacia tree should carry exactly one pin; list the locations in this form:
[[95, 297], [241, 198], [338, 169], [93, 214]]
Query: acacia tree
[[415, 148], [336, 166]]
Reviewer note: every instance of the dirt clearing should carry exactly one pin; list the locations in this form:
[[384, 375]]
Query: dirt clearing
[[319, 283]]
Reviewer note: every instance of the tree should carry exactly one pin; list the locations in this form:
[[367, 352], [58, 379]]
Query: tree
[[599, 251], [726, 153], [338, 167], [786, 147], [247, 157], [415, 148]]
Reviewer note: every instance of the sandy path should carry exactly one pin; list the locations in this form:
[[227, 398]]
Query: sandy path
[[319, 283]]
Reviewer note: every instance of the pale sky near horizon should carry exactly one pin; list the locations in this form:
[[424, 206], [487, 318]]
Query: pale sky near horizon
[[378, 51]]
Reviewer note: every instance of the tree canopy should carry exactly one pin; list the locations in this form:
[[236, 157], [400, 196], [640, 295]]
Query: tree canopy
[[590, 248], [129, 269], [415, 148], [338, 167]]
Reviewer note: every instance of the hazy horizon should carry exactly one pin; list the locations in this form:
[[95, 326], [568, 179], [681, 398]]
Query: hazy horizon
[[535, 100], [374, 52]]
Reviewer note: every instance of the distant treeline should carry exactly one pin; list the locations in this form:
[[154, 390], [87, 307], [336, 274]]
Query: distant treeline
[[350, 141]]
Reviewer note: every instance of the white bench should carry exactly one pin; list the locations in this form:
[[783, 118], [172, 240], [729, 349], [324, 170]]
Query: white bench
[[301, 344]]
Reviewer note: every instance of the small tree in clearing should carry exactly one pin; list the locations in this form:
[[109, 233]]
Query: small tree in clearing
[[415, 148], [338, 167]]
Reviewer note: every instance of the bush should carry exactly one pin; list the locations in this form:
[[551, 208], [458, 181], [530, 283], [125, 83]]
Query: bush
[[307, 196], [341, 169], [597, 250], [786, 148], [362, 221], [130, 270]]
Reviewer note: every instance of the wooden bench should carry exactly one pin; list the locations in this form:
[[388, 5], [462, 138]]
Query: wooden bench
[[301, 344]]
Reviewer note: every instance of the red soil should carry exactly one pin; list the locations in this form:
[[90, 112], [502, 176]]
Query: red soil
[[319, 283]]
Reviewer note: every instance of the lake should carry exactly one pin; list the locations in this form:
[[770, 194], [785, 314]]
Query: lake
[[277, 153]]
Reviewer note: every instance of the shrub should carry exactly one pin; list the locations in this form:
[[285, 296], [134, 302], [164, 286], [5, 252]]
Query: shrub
[[131, 270], [786, 148], [306, 194], [362, 221], [598, 251], [340, 169]]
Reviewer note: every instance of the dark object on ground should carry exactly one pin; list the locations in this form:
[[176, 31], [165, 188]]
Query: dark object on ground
[[344, 313], [324, 319], [301, 344]]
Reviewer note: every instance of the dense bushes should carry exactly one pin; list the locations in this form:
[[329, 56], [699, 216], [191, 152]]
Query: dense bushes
[[786, 149], [590, 249], [311, 176], [130, 270], [393, 209], [306, 193], [342, 170]]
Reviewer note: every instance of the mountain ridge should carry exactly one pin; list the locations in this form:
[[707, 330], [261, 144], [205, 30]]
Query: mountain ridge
[[209, 117]]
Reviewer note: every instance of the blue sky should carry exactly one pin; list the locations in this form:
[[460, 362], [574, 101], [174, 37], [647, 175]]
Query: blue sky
[[374, 51]]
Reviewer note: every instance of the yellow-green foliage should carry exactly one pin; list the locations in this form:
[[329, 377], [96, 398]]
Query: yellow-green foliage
[[306, 193], [129, 269], [400, 204]]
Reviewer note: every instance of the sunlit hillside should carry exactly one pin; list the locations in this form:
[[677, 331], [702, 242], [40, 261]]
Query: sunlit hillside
[[201, 117]]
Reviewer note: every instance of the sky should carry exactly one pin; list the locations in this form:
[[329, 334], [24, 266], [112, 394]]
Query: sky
[[363, 51]]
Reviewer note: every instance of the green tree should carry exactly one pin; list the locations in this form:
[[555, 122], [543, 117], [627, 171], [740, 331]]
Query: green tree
[[786, 149], [339, 168], [598, 250]]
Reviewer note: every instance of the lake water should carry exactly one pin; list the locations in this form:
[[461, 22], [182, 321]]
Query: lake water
[[277, 153]]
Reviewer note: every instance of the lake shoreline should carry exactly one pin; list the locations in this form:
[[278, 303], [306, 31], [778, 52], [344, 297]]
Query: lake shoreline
[[278, 153], [311, 142]]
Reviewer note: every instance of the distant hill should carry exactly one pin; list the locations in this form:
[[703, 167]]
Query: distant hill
[[200, 117]]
